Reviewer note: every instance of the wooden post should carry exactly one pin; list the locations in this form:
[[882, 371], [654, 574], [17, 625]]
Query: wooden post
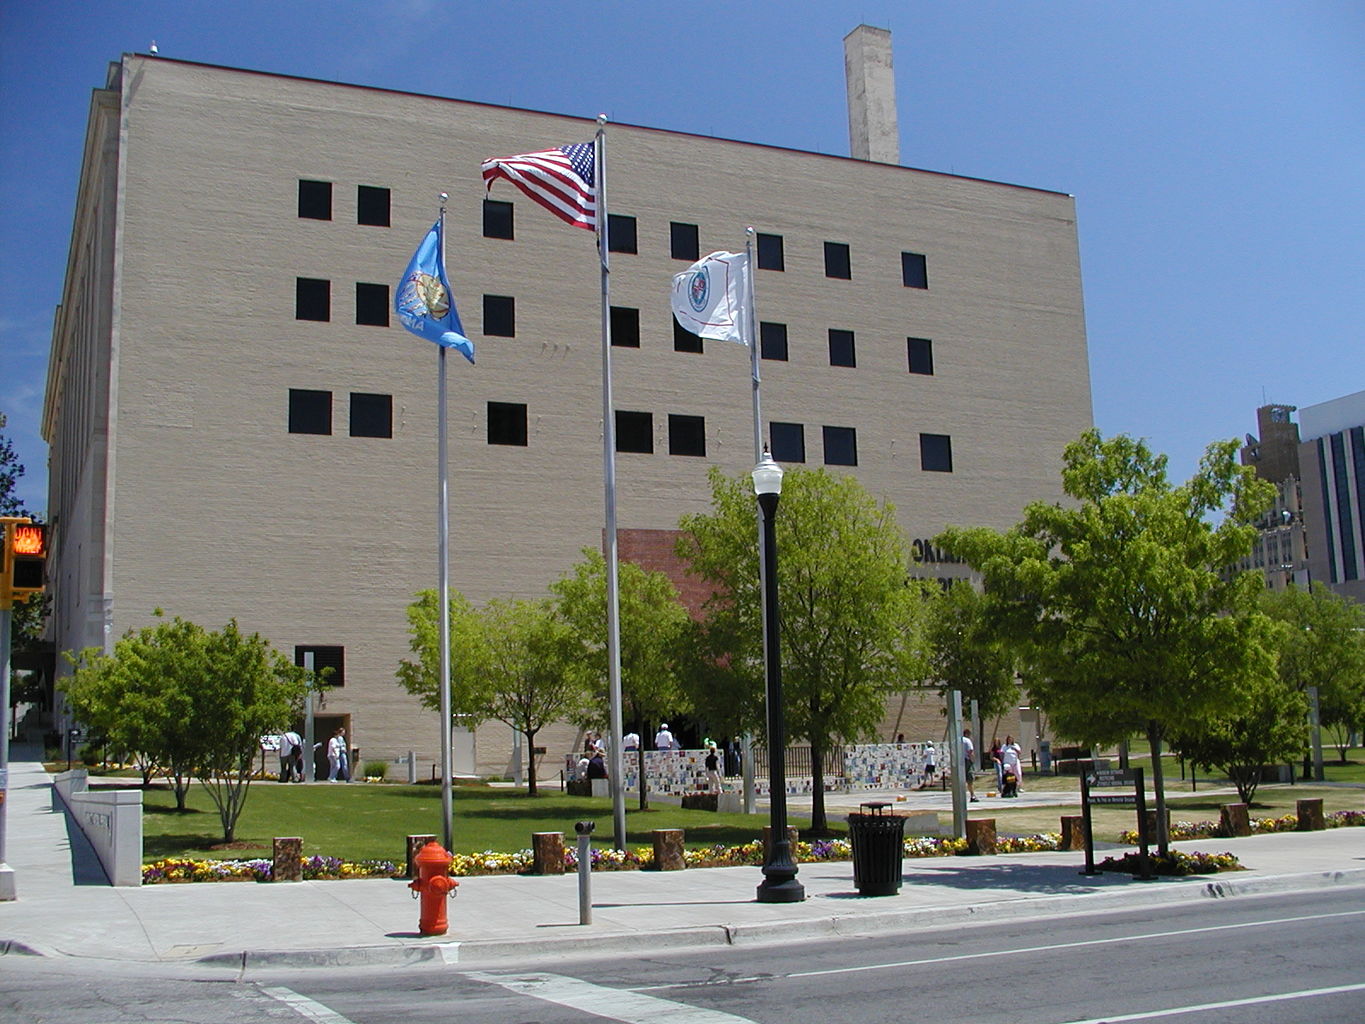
[[1310, 815], [415, 844], [981, 836], [287, 865], [1234, 820], [668, 849], [1073, 832], [547, 853]]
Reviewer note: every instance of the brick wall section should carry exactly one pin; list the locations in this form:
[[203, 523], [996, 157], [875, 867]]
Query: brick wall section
[[654, 551]]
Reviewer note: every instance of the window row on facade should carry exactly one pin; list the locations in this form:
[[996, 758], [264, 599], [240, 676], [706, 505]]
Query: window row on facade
[[373, 205], [313, 301], [371, 415]]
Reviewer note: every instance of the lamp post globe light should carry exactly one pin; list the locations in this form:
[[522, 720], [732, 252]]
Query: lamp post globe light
[[779, 883]]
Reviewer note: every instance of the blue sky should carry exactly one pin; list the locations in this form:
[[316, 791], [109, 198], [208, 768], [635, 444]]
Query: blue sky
[[1216, 149]]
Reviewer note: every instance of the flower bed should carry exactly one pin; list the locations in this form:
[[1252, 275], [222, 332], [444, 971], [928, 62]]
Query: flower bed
[[1174, 863], [490, 862], [1259, 826]]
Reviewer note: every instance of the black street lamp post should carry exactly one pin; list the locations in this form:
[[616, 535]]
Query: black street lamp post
[[779, 883]]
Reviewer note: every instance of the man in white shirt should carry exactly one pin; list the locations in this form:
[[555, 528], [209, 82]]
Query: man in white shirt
[[630, 741], [969, 762], [290, 745], [663, 739], [1009, 758]]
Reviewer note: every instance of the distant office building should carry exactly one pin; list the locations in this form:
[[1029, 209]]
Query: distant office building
[[1332, 460], [240, 428], [1280, 552]]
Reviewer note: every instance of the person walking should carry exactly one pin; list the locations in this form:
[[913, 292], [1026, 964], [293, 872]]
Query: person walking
[[291, 745], [663, 739], [1009, 763], [712, 769], [337, 768], [969, 762]]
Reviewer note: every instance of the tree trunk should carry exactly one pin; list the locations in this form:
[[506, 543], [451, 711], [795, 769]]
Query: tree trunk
[[640, 773], [1163, 833], [818, 823], [531, 788]]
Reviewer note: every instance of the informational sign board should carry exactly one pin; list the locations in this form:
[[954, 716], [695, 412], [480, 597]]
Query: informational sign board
[[1115, 778]]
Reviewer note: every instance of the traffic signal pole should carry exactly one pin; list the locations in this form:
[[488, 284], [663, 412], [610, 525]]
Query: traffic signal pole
[[7, 887]]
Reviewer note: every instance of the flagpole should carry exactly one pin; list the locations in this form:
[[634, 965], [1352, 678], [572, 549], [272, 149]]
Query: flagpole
[[616, 773], [443, 545], [750, 325]]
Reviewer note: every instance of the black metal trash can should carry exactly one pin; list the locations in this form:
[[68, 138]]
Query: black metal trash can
[[878, 843]]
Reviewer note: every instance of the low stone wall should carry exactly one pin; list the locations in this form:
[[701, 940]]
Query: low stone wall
[[111, 820]]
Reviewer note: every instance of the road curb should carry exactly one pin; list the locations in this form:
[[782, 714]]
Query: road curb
[[480, 952]]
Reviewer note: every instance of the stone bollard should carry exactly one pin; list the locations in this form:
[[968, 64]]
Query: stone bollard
[[981, 836], [1310, 815], [288, 860], [547, 853], [668, 849], [768, 842], [1073, 832], [1234, 820], [415, 844]]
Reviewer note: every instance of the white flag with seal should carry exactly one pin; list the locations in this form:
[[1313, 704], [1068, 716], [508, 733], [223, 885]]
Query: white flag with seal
[[709, 297]]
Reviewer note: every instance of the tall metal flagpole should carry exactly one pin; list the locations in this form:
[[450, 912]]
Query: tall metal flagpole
[[443, 531], [615, 776], [750, 325]]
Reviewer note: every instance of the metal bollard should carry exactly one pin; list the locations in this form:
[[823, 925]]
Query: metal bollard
[[584, 830]]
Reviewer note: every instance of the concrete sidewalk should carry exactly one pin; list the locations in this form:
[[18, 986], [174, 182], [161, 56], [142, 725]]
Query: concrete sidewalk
[[65, 909]]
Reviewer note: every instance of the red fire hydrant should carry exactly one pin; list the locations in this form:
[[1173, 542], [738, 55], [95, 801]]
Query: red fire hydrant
[[432, 884]]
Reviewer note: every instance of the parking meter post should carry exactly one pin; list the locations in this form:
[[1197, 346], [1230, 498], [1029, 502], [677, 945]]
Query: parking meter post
[[584, 830]]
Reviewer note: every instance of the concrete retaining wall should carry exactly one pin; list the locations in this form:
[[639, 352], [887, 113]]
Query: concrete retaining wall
[[112, 822]]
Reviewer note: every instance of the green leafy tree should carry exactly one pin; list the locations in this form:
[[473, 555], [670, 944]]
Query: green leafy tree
[[468, 655], [532, 667], [1268, 727], [653, 623], [193, 701], [849, 616], [1323, 645], [1128, 622], [967, 654]]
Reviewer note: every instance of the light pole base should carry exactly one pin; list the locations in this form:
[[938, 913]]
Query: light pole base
[[779, 885], [8, 890]]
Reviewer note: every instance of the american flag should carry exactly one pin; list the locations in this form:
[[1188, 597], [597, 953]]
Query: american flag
[[562, 180]]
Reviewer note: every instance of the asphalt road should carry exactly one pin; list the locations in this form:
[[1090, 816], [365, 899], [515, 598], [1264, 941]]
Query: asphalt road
[[1280, 959]]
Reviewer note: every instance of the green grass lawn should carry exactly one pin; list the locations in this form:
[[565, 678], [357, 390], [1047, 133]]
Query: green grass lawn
[[358, 821]]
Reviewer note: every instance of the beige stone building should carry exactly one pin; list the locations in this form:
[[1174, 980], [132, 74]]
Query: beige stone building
[[239, 427]]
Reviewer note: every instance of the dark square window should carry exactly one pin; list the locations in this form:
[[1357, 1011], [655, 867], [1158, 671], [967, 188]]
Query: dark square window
[[685, 245], [914, 274], [371, 415], [684, 340], [621, 233], [315, 199], [312, 299], [836, 260], [936, 453], [497, 219], [507, 423], [841, 446], [625, 327], [310, 412], [770, 253], [920, 353], [772, 341], [372, 205], [372, 304], [500, 316], [841, 348], [635, 432], [788, 441], [333, 658], [686, 435]]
